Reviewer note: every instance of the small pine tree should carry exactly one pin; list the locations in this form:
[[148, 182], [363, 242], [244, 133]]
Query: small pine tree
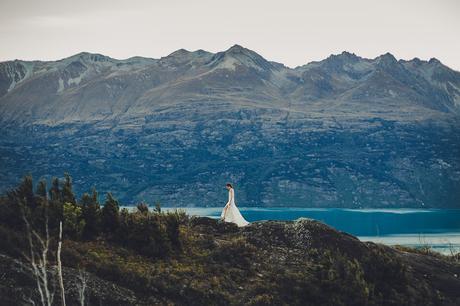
[[25, 191], [110, 214], [42, 202], [95, 195], [55, 192], [67, 193], [20, 199], [55, 203], [41, 189], [91, 212]]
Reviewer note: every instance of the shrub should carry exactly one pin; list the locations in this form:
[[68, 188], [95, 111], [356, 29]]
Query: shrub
[[142, 208], [173, 220], [144, 233], [236, 253]]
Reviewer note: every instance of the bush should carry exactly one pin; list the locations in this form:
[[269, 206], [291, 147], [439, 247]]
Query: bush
[[173, 220], [144, 233], [142, 208], [345, 278], [236, 253], [262, 300]]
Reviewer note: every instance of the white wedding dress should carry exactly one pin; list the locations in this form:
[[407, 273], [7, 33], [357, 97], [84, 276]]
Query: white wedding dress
[[232, 213]]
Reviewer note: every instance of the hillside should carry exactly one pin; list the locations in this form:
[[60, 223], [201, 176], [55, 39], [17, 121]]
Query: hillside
[[268, 263], [342, 132], [112, 256]]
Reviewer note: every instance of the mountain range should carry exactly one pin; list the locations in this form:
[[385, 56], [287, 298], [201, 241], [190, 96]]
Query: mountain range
[[346, 131]]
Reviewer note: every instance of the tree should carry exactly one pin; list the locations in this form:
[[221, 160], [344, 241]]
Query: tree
[[38, 258], [91, 212], [41, 212], [55, 203], [55, 192], [19, 198], [67, 193], [24, 192], [73, 220], [41, 189], [110, 214], [59, 266], [95, 195]]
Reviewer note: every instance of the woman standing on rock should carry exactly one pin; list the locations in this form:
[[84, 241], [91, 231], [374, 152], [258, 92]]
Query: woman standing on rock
[[231, 213]]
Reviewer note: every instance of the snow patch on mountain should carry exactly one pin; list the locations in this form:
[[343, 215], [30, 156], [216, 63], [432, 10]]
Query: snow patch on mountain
[[455, 95], [61, 85], [18, 76], [228, 63], [75, 81]]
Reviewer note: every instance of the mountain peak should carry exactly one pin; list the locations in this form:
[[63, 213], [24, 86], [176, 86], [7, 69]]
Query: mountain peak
[[387, 55], [416, 61], [88, 57], [348, 54], [236, 48], [240, 50], [238, 55], [344, 56], [202, 52], [179, 52], [387, 58], [434, 60]]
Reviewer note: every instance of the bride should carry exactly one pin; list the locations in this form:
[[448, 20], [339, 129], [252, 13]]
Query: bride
[[231, 213]]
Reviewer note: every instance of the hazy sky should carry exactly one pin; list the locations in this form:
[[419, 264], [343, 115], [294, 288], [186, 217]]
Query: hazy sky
[[290, 32]]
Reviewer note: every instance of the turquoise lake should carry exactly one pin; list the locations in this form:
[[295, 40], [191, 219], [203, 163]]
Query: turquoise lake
[[439, 229]]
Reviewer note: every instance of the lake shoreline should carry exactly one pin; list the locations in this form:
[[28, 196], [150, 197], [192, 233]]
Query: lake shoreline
[[438, 229]]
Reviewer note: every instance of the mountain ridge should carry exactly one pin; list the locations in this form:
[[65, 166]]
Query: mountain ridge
[[329, 78], [342, 132], [345, 52]]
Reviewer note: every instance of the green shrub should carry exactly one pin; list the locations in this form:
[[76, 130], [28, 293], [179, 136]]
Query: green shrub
[[173, 220], [144, 233]]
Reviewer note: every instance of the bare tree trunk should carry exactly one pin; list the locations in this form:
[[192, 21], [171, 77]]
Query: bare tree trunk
[[31, 259], [82, 286], [59, 265], [39, 261]]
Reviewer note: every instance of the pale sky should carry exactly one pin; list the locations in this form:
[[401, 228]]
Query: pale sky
[[290, 32]]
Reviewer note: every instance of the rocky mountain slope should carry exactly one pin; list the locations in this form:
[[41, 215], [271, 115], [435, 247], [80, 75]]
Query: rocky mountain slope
[[267, 263], [342, 132]]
